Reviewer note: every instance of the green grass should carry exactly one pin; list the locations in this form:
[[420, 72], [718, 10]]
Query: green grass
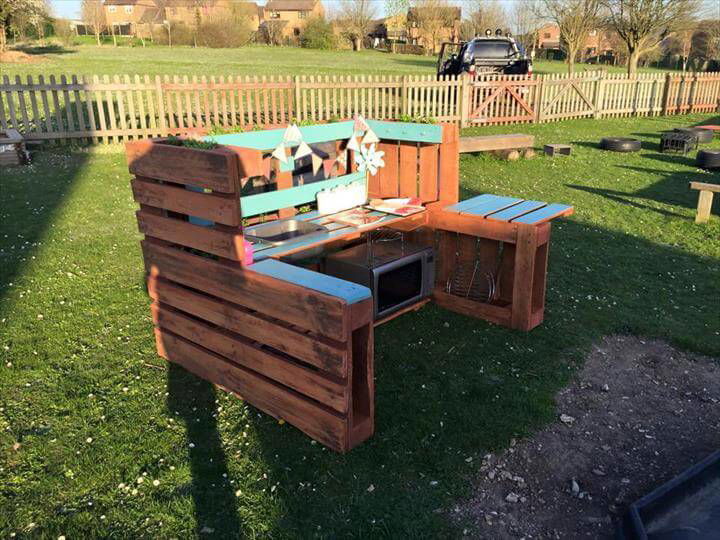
[[78, 358], [252, 60]]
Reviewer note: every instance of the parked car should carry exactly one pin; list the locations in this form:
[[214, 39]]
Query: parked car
[[488, 54]]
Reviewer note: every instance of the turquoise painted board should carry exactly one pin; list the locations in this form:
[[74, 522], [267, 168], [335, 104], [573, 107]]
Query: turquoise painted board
[[269, 139], [543, 214], [469, 203], [339, 288], [253, 205], [406, 131], [516, 210], [492, 205]]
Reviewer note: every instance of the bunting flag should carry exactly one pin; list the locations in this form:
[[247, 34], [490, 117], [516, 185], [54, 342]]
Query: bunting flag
[[370, 137], [360, 124], [328, 165], [353, 144], [317, 162], [303, 150], [292, 134], [279, 152]]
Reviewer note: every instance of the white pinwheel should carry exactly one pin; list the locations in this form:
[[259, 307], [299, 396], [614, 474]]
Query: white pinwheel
[[369, 158]]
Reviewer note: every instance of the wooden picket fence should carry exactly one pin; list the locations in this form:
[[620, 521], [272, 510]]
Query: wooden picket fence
[[108, 109]]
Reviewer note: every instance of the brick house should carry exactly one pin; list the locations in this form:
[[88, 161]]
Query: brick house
[[450, 19], [598, 42], [291, 15]]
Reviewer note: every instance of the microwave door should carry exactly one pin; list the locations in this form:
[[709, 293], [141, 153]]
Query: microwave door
[[398, 284]]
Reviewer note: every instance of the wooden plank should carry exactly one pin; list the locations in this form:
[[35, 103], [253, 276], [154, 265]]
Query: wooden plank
[[516, 210], [212, 169], [551, 211], [472, 225], [449, 166], [524, 271], [218, 242], [488, 312], [485, 205], [319, 422], [704, 206], [350, 292], [408, 172], [242, 351], [428, 173], [325, 354], [388, 185], [487, 143], [704, 186], [217, 207], [307, 309]]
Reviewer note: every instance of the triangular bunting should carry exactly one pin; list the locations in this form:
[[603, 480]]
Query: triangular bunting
[[317, 162], [303, 150], [292, 134], [360, 124], [328, 165], [370, 137], [279, 152], [353, 144]]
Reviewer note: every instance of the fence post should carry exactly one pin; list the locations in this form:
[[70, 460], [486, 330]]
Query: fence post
[[691, 93], [666, 95], [466, 90], [404, 93], [298, 112], [539, 98], [599, 95]]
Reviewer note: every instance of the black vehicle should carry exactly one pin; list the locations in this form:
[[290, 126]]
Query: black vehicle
[[488, 54]]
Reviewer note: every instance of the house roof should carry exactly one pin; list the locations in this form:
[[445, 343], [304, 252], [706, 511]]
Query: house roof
[[290, 5]]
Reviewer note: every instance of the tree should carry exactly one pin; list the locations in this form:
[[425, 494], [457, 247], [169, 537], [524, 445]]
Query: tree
[[644, 24], [272, 30], [356, 20], [487, 15], [706, 44], [18, 14], [63, 30], [93, 15], [317, 34], [39, 16], [431, 17], [525, 24], [576, 19]]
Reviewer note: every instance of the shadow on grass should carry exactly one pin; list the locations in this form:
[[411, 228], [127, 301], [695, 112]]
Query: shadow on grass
[[451, 388], [51, 48], [213, 496]]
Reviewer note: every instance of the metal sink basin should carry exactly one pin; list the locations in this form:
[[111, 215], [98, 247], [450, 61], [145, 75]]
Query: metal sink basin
[[284, 231]]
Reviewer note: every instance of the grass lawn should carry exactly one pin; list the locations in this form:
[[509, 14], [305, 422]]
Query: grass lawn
[[90, 418], [251, 60]]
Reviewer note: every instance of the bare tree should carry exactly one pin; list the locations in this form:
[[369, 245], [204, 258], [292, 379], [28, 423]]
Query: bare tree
[[576, 19], [525, 24], [93, 15], [355, 20], [272, 30], [486, 15], [432, 18], [706, 43], [644, 24]]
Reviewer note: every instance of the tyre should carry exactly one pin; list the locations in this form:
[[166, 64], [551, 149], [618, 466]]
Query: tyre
[[620, 144], [708, 159], [703, 135]]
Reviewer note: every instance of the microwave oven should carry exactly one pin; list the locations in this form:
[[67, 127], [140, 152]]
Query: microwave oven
[[398, 273]]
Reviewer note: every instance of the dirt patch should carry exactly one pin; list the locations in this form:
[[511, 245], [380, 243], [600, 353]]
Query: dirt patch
[[19, 57], [637, 414]]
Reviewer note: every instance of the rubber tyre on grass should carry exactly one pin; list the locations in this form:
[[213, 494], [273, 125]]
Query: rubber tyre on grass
[[620, 144], [703, 135], [708, 159]]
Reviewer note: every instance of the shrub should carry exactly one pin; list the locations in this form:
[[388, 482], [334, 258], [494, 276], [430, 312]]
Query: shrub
[[219, 32], [317, 34], [64, 32], [180, 34]]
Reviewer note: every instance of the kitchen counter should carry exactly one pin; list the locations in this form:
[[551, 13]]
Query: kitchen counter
[[336, 231]]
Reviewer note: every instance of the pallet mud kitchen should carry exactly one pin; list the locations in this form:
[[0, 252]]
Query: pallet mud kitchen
[[272, 255]]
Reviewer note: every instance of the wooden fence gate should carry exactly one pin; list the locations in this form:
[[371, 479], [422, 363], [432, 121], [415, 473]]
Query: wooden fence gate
[[562, 97], [502, 99]]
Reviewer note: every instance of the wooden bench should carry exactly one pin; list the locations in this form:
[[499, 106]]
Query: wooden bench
[[705, 199], [496, 143]]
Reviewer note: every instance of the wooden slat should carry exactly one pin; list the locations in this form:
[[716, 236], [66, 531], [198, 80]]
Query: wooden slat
[[216, 207], [306, 308], [212, 169], [321, 423], [449, 166], [387, 176], [242, 351], [327, 355], [428, 173], [408, 172], [516, 210], [551, 211]]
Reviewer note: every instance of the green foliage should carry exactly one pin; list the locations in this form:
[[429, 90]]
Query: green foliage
[[317, 34], [417, 119], [225, 32], [191, 143]]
